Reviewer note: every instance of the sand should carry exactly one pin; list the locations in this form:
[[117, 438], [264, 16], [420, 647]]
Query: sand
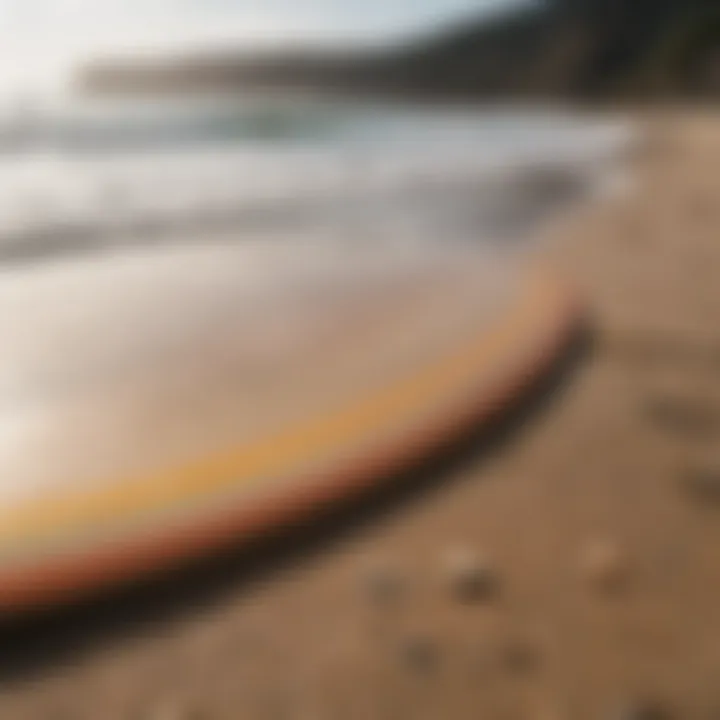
[[604, 558]]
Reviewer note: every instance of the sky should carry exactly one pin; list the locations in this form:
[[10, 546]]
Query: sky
[[41, 40]]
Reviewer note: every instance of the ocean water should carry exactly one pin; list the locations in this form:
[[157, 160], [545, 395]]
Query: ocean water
[[80, 177]]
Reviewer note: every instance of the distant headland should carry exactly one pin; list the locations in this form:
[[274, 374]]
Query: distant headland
[[578, 49]]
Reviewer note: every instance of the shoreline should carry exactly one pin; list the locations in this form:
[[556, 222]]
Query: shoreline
[[488, 181]]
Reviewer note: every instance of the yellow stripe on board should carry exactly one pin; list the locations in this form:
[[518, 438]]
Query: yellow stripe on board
[[278, 454]]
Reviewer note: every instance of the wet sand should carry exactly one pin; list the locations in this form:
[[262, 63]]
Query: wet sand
[[594, 520]]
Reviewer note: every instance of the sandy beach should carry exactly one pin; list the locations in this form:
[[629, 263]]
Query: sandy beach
[[588, 533]]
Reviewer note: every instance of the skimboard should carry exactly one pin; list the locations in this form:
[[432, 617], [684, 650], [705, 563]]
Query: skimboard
[[161, 406]]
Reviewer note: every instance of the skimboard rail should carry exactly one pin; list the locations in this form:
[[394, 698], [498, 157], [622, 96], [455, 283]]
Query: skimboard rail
[[59, 550]]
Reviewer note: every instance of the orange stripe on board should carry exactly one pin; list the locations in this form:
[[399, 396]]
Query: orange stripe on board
[[278, 454]]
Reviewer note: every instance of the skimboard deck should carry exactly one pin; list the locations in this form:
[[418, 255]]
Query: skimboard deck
[[65, 539]]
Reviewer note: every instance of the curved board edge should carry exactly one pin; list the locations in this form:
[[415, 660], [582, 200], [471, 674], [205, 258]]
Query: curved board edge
[[548, 306]]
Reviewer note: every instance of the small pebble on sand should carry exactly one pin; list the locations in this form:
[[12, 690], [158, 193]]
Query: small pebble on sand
[[420, 653], [470, 577], [641, 710], [383, 583], [604, 565], [681, 415], [702, 481], [520, 655]]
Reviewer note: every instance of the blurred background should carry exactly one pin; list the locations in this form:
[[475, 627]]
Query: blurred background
[[219, 216], [102, 101], [120, 124]]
